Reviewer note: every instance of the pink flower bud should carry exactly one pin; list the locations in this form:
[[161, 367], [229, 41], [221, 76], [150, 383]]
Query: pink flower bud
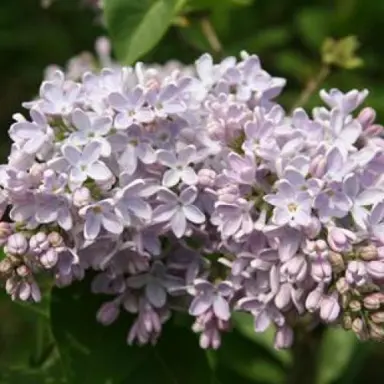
[[376, 269], [330, 308], [108, 313], [356, 273], [378, 317], [317, 166], [17, 244], [39, 243], [314, 298], [296, 269], [81, 197], [313, 229], [374, 300], [374, 130], [321, 271], [283, 296], [355, 306], [55, 239], [366, 117], [49, 259], [206, 177], [283, 338], [340, 239]]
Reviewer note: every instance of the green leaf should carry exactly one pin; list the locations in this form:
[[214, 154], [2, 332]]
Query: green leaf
[[314, 25], [136, 26], [244, 324], [248, 359], [337, 349], [94, 354]]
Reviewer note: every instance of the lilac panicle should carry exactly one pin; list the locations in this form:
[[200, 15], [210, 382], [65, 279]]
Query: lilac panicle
[[190, 188]]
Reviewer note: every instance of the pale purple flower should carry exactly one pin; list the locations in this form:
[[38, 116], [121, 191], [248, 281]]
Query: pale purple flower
[[208, 296], [32, 136], [179, 166], [91, 129], [292, 207], [178, 210], [234, 218], [100, 215], [131, 205], [86, 163], [345, 102], [130, 107]]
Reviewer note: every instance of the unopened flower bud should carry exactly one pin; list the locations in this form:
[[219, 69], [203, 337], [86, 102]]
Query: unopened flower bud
[[6, 266], [108, 313], [355, 305], [339, 239], [356, 273], [22, 271], [347, 321], [374, 130], [373, 301], [24, 291], [337, 261], [5, 232], [376, 331], [342, 286], [283, 338], [283, 296], [321, 271], [329, 308], [55, 239], [295, 269], [312, 303], [38, 243], [317, 166], [366, 117], [49, 258], [17, 244], [375, 269], [368, 253], [206, 177], [359, 329], [81, 197], [378, 317]]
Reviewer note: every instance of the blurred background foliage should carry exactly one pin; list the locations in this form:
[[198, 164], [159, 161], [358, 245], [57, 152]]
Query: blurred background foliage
[[288, 35]]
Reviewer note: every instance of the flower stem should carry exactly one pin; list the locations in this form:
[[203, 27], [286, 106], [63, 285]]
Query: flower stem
[[211, 35], [305, 352], [312, 86]]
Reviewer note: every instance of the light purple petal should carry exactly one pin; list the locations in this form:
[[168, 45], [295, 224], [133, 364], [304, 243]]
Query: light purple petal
[[156, 294], [164, 213], [188, 176], [188, 195], [91, 153], [171, 177], [99, 171], [166, 158], [200, 304], [111, 223], [92, 226], [71, 154], [81, 120], [179, 223], [262, 321], [221, 308], [193, 214]]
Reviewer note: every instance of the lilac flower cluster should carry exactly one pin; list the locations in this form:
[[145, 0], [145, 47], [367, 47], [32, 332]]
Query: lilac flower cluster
[[190, 189]]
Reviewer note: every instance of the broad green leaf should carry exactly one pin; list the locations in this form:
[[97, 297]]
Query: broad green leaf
[[249, 360], [94, 354], [136, 26], [244, 324], [337, 348]]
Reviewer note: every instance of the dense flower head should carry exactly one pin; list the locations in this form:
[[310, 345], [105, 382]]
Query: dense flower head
[[191, 188]]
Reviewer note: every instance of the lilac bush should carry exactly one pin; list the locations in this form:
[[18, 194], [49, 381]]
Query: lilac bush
[[189, 188]]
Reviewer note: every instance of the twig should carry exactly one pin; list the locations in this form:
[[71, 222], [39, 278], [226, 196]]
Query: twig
[[312, 86], [211, 35]]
